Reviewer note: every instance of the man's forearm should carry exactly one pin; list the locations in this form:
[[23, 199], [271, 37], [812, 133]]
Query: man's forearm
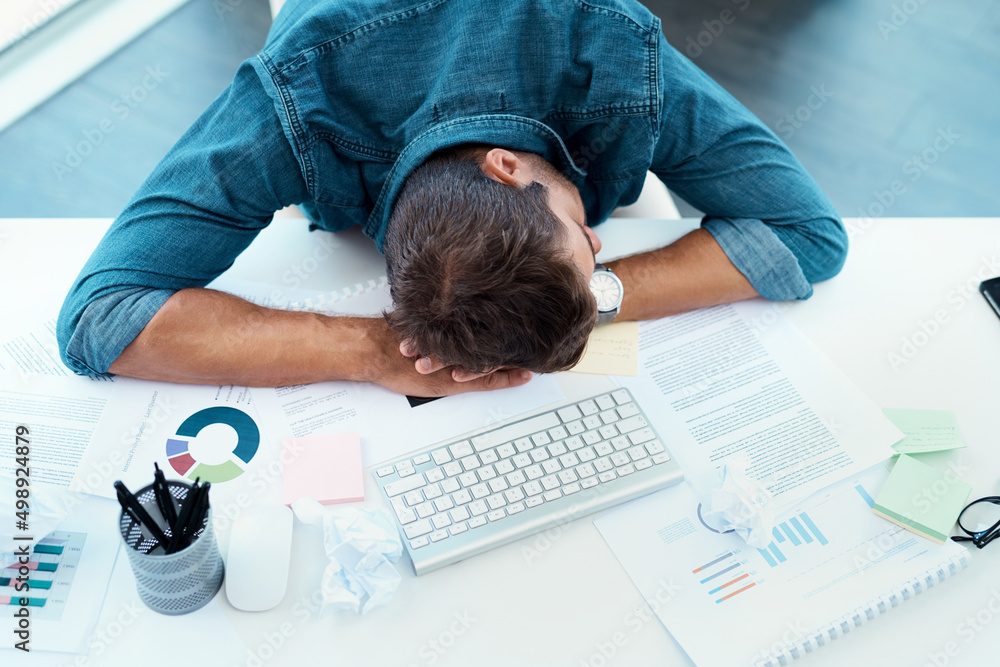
[[693, 272], [202, 336]]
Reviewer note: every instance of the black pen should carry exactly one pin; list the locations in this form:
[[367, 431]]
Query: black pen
[[187, 507], [164, 500], [138, 512]]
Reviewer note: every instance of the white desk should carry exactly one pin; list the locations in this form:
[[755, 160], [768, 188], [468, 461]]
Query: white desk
[[555, 599]]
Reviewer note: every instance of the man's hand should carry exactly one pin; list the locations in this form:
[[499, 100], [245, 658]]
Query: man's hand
[[428, 376]]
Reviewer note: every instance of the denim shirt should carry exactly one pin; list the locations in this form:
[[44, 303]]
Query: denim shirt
[[348, 97]]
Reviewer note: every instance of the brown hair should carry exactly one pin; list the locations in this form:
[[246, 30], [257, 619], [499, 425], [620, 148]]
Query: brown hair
[[480, 272]]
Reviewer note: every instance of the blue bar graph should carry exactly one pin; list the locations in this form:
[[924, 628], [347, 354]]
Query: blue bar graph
[[814, 529], [791, 534], [802, 531], [864, 494], [777, 552], [778, 537], [767, 557], [797, 531]]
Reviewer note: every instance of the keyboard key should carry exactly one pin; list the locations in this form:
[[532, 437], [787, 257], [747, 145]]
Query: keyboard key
[[497, 485], [621, 396], [654, 447], [441, 456], [551, 466], [589, 482], [421, 459], [518, 429], [398, 504], [470, 462], [515, 508], [450, 485], [573, 443], [523, 444], [641, 436], [480, 491], [569, 413], [534, 472], [462, 497], [402, 486], [382, 472], [486, 473], [620, 443], [434, 475], [532, 488], [404, 468], [503, 467], [496, 515], [603, 464], [495, 501], [444, 504], [605, 402], [503, 451], [516, 478], [452, 469], [642, 464], [489, 456], [625, 470], [586, 470], [587, 454], [592, 422], [557, 449], [570, 489], [458, 528], [558, 433], [576, 428], [607, 476], [478, 507], [631, 424], [567, 476], [424, 510], [608, 431], [440, 521], [406, 516], [541, 439], [620, 458], [661, 458], [533, 502], [522, 460], [609, 416], [438, 535], [431, 492], [637, 452], [554, 494], [459, 514], [477, 521], [539, 454], [589, 408], [550, 482], [628, 410], [591, 437], [568, 460], [513, 495], [413, 498], [419, 542], [417, 529], [604, 449], [460, 449], [468, 479]]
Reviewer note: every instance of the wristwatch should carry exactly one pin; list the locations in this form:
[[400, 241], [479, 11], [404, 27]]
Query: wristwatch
[[608, 290]]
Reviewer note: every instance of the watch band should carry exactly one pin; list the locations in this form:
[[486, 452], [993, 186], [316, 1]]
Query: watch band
[[607, 316]]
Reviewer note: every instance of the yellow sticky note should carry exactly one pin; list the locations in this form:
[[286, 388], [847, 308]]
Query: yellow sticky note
[[612, 350]]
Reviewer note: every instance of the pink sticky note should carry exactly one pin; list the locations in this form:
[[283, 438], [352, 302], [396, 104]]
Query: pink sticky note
[[324, 467]]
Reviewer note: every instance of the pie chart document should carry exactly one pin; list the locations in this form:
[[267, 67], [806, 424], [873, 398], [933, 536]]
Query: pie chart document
[[193, 432]]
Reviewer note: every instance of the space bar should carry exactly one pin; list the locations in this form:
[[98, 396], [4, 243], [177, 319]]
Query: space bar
[[515, 431]]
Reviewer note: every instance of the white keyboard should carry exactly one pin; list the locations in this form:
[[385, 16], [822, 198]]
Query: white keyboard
[[459, 499]]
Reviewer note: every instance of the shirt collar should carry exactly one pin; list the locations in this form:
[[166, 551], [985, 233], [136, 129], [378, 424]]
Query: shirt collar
[[507, 130]]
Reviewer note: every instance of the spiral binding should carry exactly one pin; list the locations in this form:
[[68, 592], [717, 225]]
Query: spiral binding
[[329, 299], [863, 614]]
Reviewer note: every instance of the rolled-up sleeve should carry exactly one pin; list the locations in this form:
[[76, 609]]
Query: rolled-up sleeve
[[761, 206], [200, 208]]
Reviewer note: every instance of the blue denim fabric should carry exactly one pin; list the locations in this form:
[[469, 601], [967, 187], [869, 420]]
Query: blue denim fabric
[[348, 97]]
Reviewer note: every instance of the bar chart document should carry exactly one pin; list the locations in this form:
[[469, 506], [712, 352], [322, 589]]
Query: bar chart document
[[741, 381], [832, 565]]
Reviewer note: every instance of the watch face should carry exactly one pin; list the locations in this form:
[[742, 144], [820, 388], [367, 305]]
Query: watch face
[[607, 290]]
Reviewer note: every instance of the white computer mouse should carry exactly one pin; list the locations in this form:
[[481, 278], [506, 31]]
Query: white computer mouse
[[260, 547]]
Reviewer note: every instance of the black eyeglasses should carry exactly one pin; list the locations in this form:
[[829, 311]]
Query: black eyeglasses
[[982, 512]]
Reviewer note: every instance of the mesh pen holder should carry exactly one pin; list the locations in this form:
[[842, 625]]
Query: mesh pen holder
[[176, 583]]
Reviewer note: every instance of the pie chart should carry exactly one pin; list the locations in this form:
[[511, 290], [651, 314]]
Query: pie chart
[[248, 440]]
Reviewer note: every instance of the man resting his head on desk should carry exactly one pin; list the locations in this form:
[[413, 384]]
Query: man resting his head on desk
[[476, 143]]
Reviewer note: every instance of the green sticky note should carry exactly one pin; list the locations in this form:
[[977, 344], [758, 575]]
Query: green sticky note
[[922, 499], [925, 430]]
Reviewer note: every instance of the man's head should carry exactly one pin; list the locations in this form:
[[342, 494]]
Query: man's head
[[489, 260]]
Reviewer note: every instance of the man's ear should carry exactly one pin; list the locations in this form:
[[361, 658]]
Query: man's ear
[[506, 167]]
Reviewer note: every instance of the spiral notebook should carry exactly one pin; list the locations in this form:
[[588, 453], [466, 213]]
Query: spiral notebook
[[831, 566]]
